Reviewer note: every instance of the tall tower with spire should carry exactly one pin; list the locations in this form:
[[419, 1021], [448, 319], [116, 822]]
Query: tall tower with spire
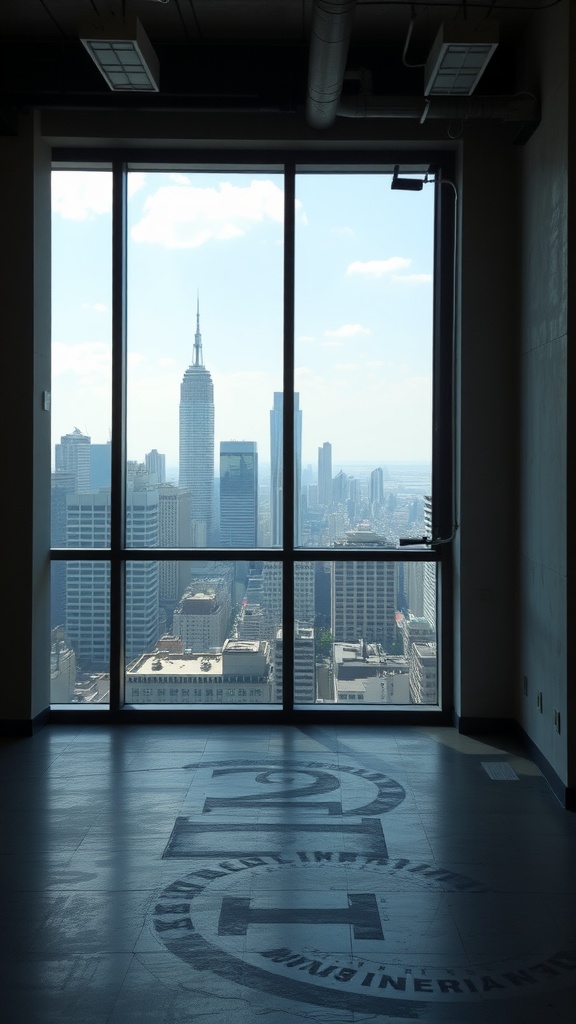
[[196, 470]]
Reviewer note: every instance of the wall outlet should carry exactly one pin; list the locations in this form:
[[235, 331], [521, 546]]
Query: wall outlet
[[539, 700], [557, 720]]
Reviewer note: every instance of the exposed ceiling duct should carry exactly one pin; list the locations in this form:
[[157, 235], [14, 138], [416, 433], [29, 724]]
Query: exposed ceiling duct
[[331, 31], [522, 109], [329, 41]]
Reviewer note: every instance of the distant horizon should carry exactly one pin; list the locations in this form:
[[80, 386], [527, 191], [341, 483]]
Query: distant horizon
[[264, 467]]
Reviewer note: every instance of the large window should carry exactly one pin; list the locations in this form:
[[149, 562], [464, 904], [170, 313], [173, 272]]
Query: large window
[[251, 436]]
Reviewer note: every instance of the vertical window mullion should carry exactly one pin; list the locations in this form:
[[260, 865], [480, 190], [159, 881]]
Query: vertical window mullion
[[289, 493], [118, 441], [444, 482]]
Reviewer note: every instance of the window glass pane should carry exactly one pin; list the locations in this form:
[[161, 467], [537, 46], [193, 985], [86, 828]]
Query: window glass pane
[[203, 632], [81, 345], [205, 329], [81, 418], [372, 639], [80, 638], [363, 358], [205, 407]]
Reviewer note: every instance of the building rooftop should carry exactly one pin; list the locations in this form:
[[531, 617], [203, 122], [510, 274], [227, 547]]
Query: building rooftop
[[177, 665]]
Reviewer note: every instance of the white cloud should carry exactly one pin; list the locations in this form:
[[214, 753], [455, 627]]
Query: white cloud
[[378, 268], [180, 179], [81, 195], [347, 331], [184, 216], [332, 344], [344, 232], [306, 338]]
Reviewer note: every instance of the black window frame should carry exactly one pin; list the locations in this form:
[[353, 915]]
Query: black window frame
[[439, 164]]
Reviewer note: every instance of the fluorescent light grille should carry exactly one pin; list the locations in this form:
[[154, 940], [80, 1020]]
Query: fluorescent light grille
[[122, 53], [459, 57]]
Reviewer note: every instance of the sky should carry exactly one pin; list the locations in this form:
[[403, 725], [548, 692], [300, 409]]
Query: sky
[[363, 309]]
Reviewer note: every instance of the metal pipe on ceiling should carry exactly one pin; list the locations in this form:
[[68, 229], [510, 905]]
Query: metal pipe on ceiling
[[519, 107], [329, 41]]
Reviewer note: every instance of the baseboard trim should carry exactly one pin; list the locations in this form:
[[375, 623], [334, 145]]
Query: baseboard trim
[[470, 726], [24, 726], [244, 715], [565, 794]]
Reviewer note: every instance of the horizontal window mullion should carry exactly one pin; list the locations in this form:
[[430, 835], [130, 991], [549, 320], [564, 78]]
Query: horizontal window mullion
[[243, 555]]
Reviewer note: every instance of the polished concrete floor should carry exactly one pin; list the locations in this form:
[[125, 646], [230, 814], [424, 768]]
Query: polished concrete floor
[[283, 875]]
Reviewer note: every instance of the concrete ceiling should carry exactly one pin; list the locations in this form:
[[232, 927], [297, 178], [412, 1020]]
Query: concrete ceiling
[[233, 54]]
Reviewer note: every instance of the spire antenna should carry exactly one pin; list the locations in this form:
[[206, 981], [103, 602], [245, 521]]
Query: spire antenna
[[198, 361]]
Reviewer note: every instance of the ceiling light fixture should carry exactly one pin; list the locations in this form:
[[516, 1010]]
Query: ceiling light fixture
[[459, 56], [122, 53]]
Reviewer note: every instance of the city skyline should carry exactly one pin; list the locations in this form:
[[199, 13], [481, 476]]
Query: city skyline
[[362, 397], [363, 308]]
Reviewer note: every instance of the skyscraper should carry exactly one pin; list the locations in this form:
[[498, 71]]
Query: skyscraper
[[276, 469], [325, 474], [87, 598], [376, 493], [201, 621], [156, 465], [364, 602], [238, 494], [72, 455], [197, 442], [174, 531], [303, 594]]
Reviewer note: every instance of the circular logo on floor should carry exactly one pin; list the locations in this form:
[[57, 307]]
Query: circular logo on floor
[[267, 783], [338, 930]]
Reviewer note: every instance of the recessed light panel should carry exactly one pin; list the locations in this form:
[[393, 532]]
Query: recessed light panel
[[122, 53], [459, 57]]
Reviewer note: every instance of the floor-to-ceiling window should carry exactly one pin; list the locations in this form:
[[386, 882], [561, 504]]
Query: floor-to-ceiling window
[[251, 501]]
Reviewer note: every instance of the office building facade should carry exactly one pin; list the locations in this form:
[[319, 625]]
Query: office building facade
[[72, 455], [238, 494], [363, 601], [87, 583]]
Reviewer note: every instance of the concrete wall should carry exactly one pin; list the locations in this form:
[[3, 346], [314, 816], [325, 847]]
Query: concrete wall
[[25, 333], [485, 562], [546, 243]]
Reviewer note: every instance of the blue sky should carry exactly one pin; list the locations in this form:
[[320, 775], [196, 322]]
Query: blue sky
[[363, 305]]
